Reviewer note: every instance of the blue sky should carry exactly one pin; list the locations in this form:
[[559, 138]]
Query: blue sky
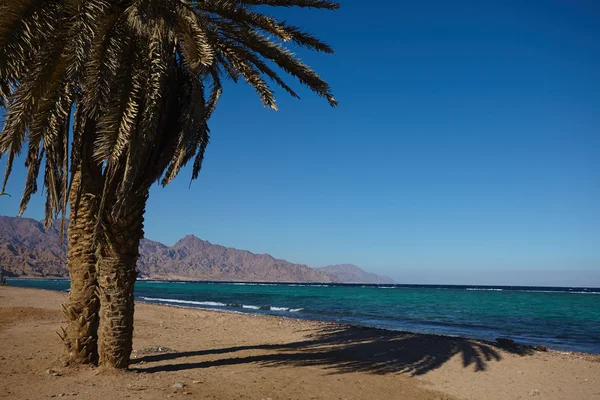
[[465, 149]]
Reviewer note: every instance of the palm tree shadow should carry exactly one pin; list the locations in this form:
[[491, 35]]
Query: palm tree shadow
[[349, 349]]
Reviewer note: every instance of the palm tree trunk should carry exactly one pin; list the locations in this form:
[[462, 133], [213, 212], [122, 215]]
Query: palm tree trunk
[[81, 309], [117, 259]]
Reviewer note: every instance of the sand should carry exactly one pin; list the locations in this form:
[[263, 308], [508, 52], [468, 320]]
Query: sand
[[220, 355]]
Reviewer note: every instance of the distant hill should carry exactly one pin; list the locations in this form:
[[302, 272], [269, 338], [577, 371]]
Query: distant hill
[[349, 273], [193, 258], [28, 249]]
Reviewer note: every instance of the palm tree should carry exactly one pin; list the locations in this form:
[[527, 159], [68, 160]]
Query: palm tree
[[139, 80]]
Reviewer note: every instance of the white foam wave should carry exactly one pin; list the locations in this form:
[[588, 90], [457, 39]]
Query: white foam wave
[[539, 291], [251, 284], [486, 289], [200, 303], [570, 291], [219, 304]]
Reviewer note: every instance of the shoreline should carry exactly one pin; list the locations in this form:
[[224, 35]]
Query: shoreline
[[266, 356], [491, 337], [517, 345]]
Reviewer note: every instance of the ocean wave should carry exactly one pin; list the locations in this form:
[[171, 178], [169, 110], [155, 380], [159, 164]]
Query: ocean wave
[[264, 308], [284, 309], [485, 289], [540, 291], [219, 304], [570, 291], [585, 292], [251, 284], [554, 291], [199, 303]]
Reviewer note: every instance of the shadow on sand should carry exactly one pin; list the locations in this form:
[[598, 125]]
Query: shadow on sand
[[348, 349]]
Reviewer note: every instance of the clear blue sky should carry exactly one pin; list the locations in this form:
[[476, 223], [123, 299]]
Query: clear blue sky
[[466, 149]]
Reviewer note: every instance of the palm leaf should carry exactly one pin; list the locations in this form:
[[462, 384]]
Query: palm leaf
[[141, 78]]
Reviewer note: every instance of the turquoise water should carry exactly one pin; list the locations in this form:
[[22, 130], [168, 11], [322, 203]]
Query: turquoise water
[[560, 318]]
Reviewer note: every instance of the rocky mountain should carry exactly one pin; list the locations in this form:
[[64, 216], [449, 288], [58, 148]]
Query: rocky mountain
[[349, 273], [193, 258], [28, 249]]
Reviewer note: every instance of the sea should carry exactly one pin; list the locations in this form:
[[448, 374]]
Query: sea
[[560, 318]]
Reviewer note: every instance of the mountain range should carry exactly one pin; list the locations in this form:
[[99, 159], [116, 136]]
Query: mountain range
[[28, 249]]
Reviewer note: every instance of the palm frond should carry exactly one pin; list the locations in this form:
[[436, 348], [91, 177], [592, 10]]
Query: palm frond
[[329, 5], [280, 29], [227, 47], [194, 45], [141, 79], [33, 162], [9, 165], [284, 59]]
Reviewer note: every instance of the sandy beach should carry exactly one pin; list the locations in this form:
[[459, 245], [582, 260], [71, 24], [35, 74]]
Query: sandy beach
[[217, 355]]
